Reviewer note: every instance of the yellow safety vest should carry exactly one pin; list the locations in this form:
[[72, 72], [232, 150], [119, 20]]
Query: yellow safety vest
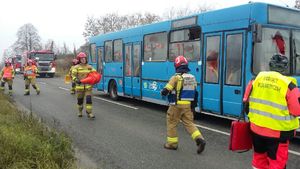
[[79, 72], [267, 104]]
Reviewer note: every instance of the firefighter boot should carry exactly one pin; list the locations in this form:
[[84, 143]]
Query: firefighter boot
[[10, 92], [90, 115], [72, 91], [38, 91], [201, 145], [170, 146], [26, 93], [80, 107]]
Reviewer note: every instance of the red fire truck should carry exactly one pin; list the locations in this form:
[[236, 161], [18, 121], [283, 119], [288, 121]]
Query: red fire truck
[[44, 60]]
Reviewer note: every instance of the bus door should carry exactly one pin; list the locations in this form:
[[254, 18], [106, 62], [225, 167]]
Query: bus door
[[136, 78], [212, 79], [100, 66], [233, 69], [128, 75]]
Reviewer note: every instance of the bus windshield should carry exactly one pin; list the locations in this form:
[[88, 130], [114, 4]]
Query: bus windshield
[[44, 56], [274, 41]]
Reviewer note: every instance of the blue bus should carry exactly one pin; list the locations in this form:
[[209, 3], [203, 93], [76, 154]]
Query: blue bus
[[225, 49]]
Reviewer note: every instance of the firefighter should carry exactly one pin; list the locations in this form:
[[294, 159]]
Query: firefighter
[[30, 72], [7, 75], [273, 106], [74, 63], [79, 72], [181, 91]]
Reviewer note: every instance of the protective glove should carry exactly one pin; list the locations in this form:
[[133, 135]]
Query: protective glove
[[164, 92], [77, 81]]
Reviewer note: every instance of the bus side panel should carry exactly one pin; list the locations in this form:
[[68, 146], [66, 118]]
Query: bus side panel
[[151, 91]]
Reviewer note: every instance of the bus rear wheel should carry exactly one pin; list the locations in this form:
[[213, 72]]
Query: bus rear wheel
[[113, 92]]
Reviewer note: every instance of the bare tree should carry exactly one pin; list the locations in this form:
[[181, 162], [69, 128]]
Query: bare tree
[[297, 4], [174, 13], [28, 39], [91, 27]]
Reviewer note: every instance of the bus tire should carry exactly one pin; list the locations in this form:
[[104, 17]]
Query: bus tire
[[113, 92]]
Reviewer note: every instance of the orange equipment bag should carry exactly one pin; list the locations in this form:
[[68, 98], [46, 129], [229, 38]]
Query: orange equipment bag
[[240, 136], [92, 78]]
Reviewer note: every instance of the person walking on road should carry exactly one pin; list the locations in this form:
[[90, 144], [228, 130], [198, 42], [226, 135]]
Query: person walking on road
[[181, 91], [74, 63], [7, 75], [30, 73], [273, 106], [79, 72]]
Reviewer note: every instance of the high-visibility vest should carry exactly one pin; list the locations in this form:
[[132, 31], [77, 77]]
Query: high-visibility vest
[[8, 72], [267, 103], [184, 91]]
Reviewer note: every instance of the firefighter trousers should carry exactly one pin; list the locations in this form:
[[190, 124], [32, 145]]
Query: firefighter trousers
[[176, 113], [87, 94], [31, 81], [9, 82]]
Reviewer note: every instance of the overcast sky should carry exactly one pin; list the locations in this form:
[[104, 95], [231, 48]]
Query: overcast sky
[[63, 20]]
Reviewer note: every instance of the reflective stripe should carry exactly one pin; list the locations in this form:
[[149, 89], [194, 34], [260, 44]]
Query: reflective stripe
[[196, 134], [172, 139], [269, 103], [169, 87], [183, 102], [272, 116], [89, 107]]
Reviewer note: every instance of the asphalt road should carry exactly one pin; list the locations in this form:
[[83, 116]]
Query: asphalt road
[[130, 133]]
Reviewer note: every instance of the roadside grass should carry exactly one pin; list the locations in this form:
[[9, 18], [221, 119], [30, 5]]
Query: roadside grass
[[26, 143]]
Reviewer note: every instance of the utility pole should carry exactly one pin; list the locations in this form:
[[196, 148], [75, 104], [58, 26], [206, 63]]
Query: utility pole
[[297, 4]]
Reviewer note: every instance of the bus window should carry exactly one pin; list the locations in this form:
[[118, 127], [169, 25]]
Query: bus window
[[273, 41], [296, 35], [136, 59], [118, 51], [108, 51], [185, 42], [212, 59], [155, 47], [128, 60], [234, 59], [100, 66], [93, 53]]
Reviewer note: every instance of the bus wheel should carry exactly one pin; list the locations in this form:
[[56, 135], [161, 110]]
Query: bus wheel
[[113, 92]]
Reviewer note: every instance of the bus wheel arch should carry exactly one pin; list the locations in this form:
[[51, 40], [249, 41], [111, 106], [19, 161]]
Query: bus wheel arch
[[113, 90]]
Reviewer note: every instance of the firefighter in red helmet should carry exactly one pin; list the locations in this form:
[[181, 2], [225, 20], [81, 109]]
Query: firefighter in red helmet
[[6, 76], [74, 63], [272, 110], [79, 72], [181, 91], [30, 73]]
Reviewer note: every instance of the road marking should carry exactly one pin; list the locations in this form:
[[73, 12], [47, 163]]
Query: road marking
[[42, 83], [228, 134], [99, 98], [64, 88]]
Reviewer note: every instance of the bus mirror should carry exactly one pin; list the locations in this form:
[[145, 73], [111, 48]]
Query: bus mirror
[[257, 33]]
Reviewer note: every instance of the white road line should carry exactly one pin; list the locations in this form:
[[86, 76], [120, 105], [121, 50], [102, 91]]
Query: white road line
[[64, 88], [42, 83], [228, 134], [99, 98]]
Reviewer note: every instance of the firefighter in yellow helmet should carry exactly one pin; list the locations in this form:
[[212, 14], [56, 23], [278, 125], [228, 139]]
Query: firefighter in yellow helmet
[[6, 76], [30, 72], [74, 63], [181, 91], [80, 72]]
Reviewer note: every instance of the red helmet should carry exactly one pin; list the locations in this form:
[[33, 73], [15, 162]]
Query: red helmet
[[81, 55], [7, 61], [75, 61], [179, 61]]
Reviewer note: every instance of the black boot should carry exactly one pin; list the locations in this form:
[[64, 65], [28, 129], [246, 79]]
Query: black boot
[[201, 145]]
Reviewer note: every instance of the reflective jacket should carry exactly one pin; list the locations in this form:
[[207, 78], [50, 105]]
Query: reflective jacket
[[80, 72], [30, 71], [8, 72], [267, 102], [182, 87]]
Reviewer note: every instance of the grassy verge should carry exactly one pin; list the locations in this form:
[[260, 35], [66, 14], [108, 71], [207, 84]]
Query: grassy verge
[[27, 143]]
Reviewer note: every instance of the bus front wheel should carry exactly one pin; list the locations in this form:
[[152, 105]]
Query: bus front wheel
[[113, 92]]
